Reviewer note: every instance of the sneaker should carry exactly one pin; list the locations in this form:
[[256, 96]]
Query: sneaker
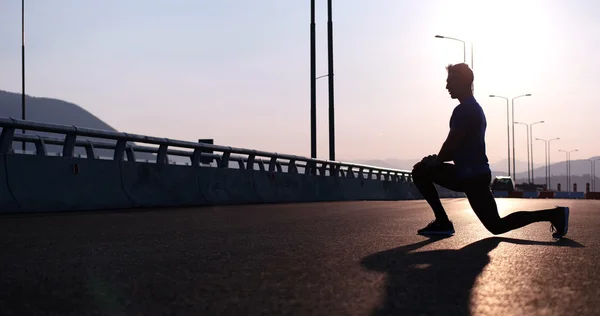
[[437, 227], [560, 225]]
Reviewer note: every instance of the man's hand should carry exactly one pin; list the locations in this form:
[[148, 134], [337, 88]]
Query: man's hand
[[429, 161]]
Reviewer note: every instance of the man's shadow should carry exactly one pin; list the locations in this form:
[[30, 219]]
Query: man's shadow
[[436, 282]]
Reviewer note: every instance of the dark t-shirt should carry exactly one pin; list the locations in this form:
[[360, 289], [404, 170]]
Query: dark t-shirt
[[470, 157]]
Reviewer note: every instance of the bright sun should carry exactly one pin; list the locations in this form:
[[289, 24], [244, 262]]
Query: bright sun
[[509, 37]]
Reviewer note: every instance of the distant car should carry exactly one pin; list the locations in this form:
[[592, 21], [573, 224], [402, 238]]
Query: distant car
[[503, 183]]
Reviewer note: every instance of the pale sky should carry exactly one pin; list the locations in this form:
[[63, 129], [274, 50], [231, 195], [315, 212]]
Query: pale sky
[[238, 70]]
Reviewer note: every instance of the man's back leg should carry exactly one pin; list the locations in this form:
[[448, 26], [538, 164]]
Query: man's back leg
[[484, 205]]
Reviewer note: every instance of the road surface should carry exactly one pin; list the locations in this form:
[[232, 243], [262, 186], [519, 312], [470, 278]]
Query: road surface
[[344, 258]]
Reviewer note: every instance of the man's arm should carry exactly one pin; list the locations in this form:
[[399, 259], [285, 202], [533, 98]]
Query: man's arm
[[455, 136]]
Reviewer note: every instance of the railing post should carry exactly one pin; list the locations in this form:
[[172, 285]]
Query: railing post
[[6, 139], [161, 157], [250, 162], [130, 154], [120, 150], [69, 145], [292, 168], [224, 162], [272, 164], [89, 150], [40, 147]]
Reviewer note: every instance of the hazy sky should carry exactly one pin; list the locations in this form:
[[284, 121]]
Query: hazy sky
[[238, 70]]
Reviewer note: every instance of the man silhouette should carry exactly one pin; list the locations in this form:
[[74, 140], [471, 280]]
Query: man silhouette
[[470, 173]]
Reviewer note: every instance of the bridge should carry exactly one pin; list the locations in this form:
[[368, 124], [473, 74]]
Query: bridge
[[242, 232]]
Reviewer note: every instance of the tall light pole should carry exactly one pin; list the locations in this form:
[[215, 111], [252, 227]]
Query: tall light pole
[[568, 161], [594, 174], [547, 154], [464, 48], [528, 171], [513, 130], [330, 64], [23, 66], [591, 173], [546, 160], [531, 145], [550, 163], [313, 84], [507, 129]]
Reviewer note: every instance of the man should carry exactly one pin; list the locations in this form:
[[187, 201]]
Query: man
[[470, 173]]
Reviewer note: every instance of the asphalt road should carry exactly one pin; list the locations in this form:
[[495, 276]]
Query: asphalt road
[[347, 258]]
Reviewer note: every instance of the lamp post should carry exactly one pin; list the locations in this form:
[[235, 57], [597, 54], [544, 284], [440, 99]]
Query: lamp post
[[568, 161], [464, 48], [547, 156], [550, 163], [527, 128], [330, 67], [531, 145], [594, 174], [23, 67], [313, 88], [546, 160], [513, 129], [507, 128], [591, 173], [313, 78]]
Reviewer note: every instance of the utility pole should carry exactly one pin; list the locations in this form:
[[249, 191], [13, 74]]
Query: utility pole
[[313, 84], [330, 64], [23, 117]]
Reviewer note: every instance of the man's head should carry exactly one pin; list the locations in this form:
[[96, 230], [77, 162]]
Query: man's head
[[460, 81]]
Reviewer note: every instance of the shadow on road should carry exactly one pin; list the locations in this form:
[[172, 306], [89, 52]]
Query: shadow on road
[[437, 282]]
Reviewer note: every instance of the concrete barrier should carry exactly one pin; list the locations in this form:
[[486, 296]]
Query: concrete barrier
[[515, 194], [546, 195], [57, 183], [227, 186], [592, 195], [149, 185], [530, 194], [501, 194], [7, 200], [569, 195], [577, 195], [41, 184]]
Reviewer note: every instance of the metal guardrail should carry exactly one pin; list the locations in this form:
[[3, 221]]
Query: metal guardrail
[[124, 149]]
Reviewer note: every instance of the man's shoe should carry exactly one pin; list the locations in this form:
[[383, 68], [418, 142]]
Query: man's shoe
[[437, 227], [560, 224]]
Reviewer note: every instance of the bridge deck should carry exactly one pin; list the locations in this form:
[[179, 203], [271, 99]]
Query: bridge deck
[[321, 259]]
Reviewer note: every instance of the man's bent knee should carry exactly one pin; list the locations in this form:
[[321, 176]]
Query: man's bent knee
[[420, 172]]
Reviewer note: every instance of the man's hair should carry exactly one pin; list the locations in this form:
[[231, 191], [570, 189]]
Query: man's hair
[[461, 72]]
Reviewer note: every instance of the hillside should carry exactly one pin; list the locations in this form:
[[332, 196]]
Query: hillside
[[54, 111]]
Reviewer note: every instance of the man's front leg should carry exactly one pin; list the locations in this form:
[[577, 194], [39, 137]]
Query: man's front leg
[[423, 178]]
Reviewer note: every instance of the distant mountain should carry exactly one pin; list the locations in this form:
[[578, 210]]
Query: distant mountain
[[580, 170], [54, 111]]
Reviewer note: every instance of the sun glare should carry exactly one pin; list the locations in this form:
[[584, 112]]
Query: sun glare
[[511, 39]]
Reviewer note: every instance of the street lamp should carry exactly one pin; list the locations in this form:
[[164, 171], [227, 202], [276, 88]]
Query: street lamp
[[594, 174], [547, 154], [527, 128], [531, 145], [507, 128], [550, 163], [313, 78], [568, 154], [513, 129], [23, 67], [464, 48], [546, 159]]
